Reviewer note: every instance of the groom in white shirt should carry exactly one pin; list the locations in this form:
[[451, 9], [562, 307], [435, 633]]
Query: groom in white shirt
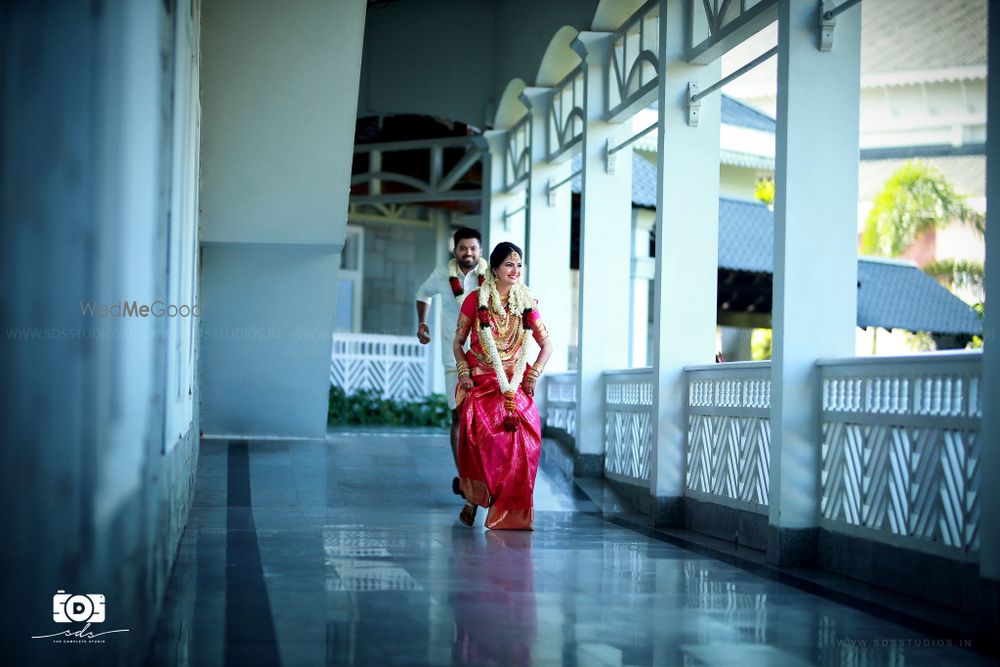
[[452, 281]]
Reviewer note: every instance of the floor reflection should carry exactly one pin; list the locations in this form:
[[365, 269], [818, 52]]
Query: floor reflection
[[496, 624], [365, 563]]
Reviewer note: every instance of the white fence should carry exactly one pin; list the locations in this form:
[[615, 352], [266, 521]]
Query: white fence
[[628, 422], [729, 434], [901, 450], [397, 367], [560, 401], [899, 453]]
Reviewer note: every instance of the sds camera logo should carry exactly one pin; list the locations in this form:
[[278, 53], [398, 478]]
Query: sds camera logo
[[68, 608], [83, 608]]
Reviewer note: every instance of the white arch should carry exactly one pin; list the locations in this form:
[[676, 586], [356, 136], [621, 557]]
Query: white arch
[[559, 58], [610, 14], [510, 109]]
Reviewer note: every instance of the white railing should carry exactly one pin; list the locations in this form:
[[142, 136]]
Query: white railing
[[634, 64], [716, 26], [517, 156], [901, 449], [560, 401], [628, 422], [729, 434], [396, 366], [566, 120]]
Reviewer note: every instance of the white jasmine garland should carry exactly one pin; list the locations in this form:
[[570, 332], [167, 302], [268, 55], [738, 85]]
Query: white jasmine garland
[[518, 299], [506, 386], [481, 269]]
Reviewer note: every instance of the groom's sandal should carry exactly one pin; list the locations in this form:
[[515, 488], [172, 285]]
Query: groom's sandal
[[468, 514]]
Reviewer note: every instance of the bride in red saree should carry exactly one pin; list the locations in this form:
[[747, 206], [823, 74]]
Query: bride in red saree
[[500, 435]]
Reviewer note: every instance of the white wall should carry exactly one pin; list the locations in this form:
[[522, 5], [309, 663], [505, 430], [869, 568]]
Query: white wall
[[98, 444]]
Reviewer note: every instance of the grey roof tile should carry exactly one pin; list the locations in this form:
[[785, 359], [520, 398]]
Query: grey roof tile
[[893, 295]]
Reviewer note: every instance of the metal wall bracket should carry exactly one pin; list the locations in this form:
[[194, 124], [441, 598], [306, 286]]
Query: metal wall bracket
[[550, 194], [828, 10], [826, 25], [609, 158], [694, 104]]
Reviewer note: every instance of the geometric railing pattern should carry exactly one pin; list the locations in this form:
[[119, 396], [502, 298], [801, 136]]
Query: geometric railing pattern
[[426, 179], [395, 366], [517, 155], [729, 434], [628, 415], [901, 449], [560, 401], [718, 25], [634, 64], [565, 122]]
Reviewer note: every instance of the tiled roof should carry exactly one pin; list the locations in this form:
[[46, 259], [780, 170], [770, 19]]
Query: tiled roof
[[737, 113], [896, 36], [922, 34], [892, 295]]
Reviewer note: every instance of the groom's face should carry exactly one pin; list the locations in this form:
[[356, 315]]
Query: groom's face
[[467, 253]]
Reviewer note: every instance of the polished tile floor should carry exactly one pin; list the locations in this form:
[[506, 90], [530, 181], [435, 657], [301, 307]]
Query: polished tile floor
[[349, 552]]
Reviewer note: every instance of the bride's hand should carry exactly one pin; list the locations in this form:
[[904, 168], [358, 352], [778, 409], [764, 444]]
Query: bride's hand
[[529, 386], [465, 382]]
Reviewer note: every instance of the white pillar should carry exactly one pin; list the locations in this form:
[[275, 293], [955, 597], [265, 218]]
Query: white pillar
[[499, 221], [442, 242], [989, 517], [279, 101], [815, 257], [548, 230], [605, 253], [687, 256]]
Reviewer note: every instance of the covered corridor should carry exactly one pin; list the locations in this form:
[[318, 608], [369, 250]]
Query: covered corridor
[[173, 473], [348, 552]]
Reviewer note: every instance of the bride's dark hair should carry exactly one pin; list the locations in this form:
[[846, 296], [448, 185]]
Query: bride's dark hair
[[501, 252]]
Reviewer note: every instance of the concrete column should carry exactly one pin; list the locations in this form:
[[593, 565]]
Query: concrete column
[[605, 254], [442, 243], [989, 517], [815, 257], [687, 256], [498, 223], [279, 105], [548, 232]]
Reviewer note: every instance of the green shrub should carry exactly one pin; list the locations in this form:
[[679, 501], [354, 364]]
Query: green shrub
[[366, 406]]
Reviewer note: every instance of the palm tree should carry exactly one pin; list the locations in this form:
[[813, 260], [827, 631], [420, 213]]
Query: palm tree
[[960, 275], [916, 198]]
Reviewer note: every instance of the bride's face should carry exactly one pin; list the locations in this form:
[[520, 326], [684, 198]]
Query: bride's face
[[509, 271]]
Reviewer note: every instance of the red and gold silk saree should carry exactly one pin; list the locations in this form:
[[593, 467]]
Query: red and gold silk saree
[[496, 466]]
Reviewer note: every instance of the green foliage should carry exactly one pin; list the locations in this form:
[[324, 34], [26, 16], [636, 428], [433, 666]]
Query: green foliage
[[760, 344], [765, 191], [920, 341], [977, 341], [367, 406], [960, 274], [916, 198]]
